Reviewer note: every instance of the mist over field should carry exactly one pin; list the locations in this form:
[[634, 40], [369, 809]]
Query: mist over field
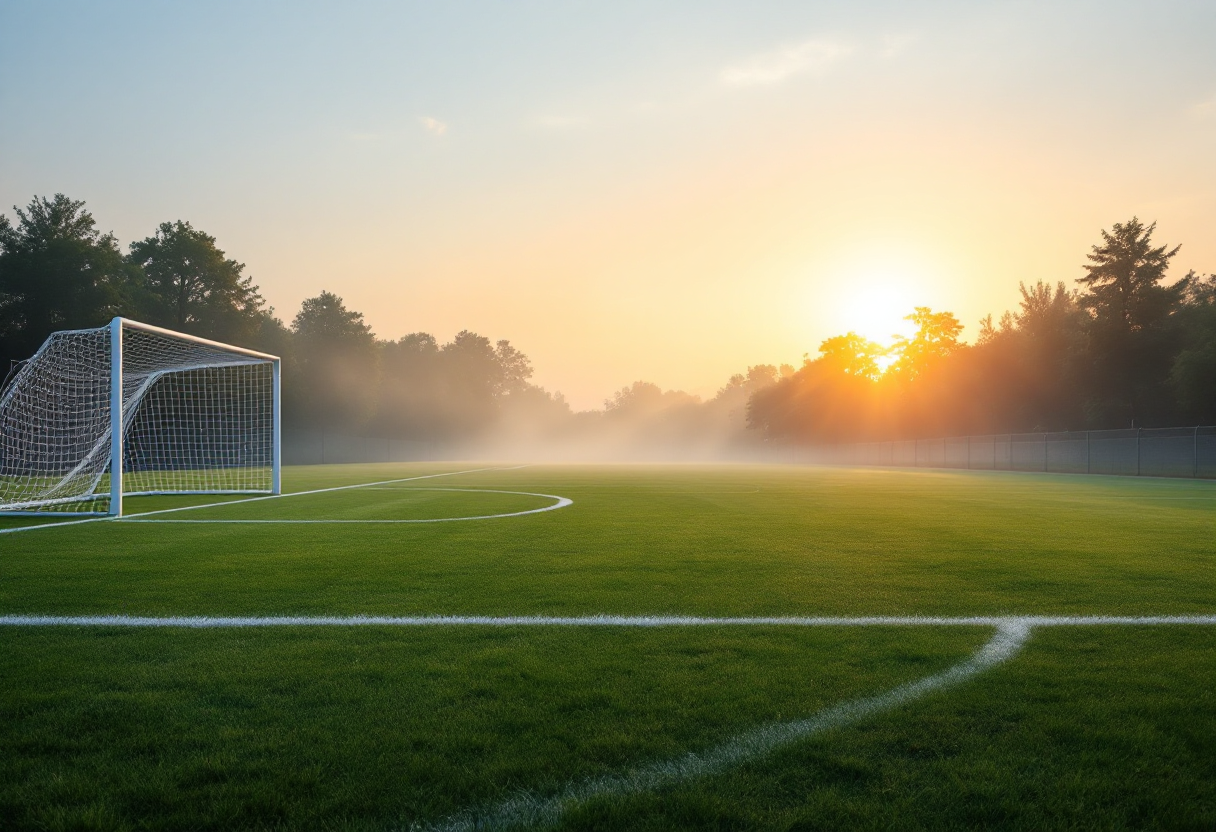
[[1129, 343]]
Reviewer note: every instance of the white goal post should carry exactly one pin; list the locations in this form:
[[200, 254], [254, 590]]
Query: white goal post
[[133, 409]]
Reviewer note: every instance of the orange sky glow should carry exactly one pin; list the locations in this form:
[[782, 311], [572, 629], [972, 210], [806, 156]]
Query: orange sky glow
[[628, 195]]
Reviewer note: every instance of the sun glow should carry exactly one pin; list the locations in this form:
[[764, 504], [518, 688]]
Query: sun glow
[[875, 307]]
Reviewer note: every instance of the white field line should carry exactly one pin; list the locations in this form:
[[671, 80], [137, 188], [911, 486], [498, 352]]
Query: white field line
[[221, 622], [528, 809], [253, 499], [560, 502]]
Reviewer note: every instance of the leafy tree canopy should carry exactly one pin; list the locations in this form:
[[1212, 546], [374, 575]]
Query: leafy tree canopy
[[853, 355], [325, 319], [936, 338], [190, 285]]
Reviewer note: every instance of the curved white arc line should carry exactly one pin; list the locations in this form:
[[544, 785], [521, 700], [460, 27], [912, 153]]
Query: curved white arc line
[[644, 621], [128, 517], [560, 502], [527, 809]]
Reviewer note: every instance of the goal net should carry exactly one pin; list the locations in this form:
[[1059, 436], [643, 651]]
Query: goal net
[[130, 408]]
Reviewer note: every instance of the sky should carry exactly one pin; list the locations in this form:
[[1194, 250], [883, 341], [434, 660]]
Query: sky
[[626, 191]]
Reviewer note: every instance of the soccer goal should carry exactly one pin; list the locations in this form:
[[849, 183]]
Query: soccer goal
[[130, 409]]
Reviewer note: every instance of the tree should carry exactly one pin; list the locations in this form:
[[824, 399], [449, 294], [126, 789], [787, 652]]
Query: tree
[[1193, 374], [337, 364], [1132, 339], [57, 271], [192, 286], [936, 338], [325, 320], [457, 390], [1124, 278], [741, 386], [853, 355], [412, 402], [1049, 339], [514, 369]]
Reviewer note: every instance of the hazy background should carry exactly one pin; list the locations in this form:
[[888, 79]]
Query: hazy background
[[669, 192]]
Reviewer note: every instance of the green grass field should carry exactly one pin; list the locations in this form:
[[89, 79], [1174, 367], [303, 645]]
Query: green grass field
[[394, 727]]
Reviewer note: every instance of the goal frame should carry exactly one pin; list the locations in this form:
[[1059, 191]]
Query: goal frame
[[117, 427], [116, 420]]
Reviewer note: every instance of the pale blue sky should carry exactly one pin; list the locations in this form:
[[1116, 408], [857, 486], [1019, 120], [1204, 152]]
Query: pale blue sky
[[625, 190]]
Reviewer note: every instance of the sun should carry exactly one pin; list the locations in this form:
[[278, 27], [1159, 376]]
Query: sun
[[874, 306]]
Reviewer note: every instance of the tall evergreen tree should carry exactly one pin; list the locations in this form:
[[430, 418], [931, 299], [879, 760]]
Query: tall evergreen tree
[[1132, 341]]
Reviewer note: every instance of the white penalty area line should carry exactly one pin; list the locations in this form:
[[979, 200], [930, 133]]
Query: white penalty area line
[[644, 621], [559, 502], [131, 517]]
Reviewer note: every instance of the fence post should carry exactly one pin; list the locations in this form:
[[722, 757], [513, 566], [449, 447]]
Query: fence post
[[1088, 453], [1044, 453], [1195, 455], [968, 452], [1138, 432]]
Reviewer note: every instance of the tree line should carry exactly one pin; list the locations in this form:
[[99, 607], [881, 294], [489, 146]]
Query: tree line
[[1123, 348], [59, 271]]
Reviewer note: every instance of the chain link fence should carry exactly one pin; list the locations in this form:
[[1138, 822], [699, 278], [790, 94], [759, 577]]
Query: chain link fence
[[1148, 452]]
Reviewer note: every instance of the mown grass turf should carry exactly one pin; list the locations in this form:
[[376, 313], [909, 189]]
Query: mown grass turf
[[221, 728], [703, 540], [1104, 728], [373, 728]]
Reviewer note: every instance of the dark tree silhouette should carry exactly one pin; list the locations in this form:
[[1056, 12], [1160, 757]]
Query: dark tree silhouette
[[57, 271], [1193, 374], [1132, 342]]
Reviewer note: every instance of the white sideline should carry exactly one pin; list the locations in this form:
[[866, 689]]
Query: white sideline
[[560, 502], [223, 622], [128, 517]]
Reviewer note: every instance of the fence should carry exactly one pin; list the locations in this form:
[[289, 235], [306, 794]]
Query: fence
[[1150, 452]]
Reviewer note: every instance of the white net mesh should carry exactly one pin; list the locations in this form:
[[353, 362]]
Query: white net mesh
[[196, 418]]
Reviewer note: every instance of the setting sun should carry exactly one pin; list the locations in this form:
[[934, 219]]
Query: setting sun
[[877, 307]]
